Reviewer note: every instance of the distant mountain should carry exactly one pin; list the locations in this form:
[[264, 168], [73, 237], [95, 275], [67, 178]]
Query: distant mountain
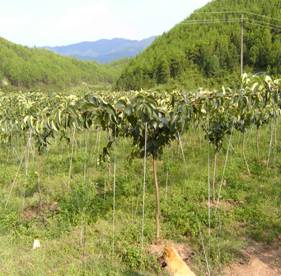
[[104, 50]]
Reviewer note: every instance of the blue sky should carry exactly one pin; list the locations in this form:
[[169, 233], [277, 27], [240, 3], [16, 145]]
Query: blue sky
[[61, 22]]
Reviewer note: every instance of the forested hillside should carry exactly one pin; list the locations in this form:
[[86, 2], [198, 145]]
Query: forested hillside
[[205, 48], [28, 67]]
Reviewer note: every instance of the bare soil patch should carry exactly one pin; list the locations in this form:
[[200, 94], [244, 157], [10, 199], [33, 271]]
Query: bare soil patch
[[260, 260], [39, 210]]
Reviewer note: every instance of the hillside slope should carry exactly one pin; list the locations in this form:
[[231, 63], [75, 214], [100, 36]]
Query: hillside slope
[[104, 50], [28, 67], [205, 48]]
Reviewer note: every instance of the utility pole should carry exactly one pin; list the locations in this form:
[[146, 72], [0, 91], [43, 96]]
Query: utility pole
[[242, 46]]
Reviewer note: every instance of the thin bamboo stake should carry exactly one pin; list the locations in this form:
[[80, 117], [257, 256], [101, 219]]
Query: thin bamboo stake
[[98, 146], [166, 185], [181, 147], [71, 156], [215, 175], [144, 186], [275, 139], [209, 191], [257, 143], [224, 167], [14, 181], [114, 203], [204, 251], [39, 187], [270, 144], [27, 151], [113, 208], [157, 197], [83, 242], [27, 157], [86, 155], [244, 155], [97, 140]]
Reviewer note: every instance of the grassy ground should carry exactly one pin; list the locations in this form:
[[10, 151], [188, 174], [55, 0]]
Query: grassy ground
[[65, 198]]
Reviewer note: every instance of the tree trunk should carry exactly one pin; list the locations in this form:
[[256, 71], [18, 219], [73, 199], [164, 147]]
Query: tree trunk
[[157, 213]]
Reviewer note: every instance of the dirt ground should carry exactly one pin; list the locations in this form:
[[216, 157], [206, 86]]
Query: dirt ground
[[259, 260]]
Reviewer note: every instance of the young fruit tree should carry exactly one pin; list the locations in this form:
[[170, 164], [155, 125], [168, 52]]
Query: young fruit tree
[[152, 125]]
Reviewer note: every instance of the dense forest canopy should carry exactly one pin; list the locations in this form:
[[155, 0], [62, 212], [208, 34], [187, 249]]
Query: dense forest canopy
[[205, 48], [28, 67]]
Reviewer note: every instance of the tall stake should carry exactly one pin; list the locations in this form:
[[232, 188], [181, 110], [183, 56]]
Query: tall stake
[[144, 185], [14, 182], [166, 186], [257, 143], [270, 144], [113, 208], [157, 214], [215, 175], [181, 147], [242, 46], [275, 138], [224, 167], [86, 154], [204, 251], [244, 155], [114, 203], [27, 151], [71, 157], [209, 192]]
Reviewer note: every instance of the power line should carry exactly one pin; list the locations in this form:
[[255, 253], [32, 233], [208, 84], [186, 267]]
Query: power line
[[200, 22], [262, 25], [264, 16], [216, 21], [239, 12], [236, 20], [267, 24], [226, 20], [218, 12], [210, 19]]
